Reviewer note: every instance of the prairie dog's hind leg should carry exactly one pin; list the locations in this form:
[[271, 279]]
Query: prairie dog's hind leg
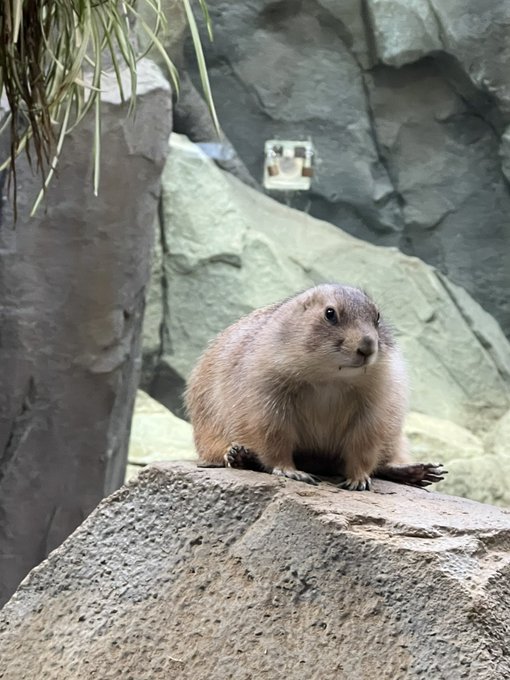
[[412, 474], [296, 475], [242, 458], [281, 450]]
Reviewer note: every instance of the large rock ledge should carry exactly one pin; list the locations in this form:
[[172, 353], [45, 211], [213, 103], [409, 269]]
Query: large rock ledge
[[199, 573]]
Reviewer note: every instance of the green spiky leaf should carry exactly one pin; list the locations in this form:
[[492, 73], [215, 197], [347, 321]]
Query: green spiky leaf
[[53, 55]]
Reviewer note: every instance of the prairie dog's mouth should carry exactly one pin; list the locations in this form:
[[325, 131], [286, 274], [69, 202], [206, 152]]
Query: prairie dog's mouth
[[362, 362]]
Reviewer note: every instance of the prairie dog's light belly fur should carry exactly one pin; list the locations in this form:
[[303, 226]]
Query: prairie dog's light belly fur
[[322, 415]]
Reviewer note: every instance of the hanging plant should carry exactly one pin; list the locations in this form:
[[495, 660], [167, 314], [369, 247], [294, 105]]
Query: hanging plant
[[54, 55]]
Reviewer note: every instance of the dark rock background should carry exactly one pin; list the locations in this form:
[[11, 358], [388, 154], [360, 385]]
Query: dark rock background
[[406, 103], [72, 295]]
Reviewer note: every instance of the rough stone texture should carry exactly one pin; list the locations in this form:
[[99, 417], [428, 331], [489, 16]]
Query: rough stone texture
[[409, 156], [475, 35], [218, 574], [72, 284], [233, 249], [191, 115], [171, 34]]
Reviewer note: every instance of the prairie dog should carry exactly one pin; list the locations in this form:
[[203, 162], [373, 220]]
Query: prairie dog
[[314, 384]]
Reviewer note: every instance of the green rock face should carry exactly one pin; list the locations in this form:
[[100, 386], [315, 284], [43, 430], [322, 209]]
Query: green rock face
[[156, 434]]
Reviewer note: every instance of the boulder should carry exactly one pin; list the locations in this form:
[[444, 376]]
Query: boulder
[[195, 573], [477, 40], [498, 437], [406, 102], [437, 438], [484, 478], [478, 467], [233, 249]]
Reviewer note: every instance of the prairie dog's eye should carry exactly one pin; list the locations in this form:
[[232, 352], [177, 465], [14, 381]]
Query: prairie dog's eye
[[377, 319], [330, 315]]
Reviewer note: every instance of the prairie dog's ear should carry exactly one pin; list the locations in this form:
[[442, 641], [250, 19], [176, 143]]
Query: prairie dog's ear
[[307, 302], [310, 299]]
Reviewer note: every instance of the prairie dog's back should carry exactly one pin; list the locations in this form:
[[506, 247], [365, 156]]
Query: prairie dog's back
[[216, 383]]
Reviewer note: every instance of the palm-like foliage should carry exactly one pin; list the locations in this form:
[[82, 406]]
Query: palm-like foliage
[[53, 57]]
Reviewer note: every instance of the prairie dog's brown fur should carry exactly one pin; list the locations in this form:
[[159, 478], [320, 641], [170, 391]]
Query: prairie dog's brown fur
[[316, 380]]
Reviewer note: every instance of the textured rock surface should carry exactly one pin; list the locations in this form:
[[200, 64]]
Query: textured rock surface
[[407, 156], [233, 249], [218, 574], [191, 115], [71, 298]]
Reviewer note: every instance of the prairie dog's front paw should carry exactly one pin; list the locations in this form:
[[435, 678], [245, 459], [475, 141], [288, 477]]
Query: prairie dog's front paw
[[242, 458], [356, 484], [236, 456]]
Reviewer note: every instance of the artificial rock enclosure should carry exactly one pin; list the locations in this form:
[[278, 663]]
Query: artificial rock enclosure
[[408, 106], [194, 573]]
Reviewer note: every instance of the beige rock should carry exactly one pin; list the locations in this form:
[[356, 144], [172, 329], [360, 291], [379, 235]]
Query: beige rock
[[132, 471], [484, 478], [234, 249], [498, 438], [192, 574], [439, 439], [156, 434]]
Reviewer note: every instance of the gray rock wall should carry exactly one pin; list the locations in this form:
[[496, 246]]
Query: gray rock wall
[[72, 282], [407, 104]]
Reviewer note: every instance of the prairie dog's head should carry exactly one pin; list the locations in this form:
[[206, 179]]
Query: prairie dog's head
[[334, 329]]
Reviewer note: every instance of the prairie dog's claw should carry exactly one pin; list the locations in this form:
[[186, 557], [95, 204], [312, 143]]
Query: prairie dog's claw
[[243, 458], [297, 475], [356, 484]]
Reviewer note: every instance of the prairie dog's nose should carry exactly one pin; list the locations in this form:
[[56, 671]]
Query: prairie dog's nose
[[366, 347]]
